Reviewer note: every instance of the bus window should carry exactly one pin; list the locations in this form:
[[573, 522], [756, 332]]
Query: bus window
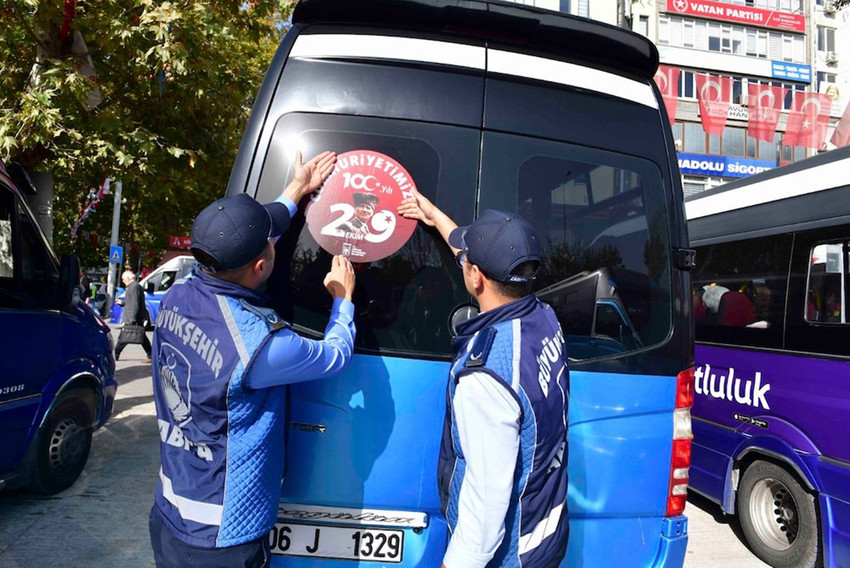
[[739, 291], [827, 277]]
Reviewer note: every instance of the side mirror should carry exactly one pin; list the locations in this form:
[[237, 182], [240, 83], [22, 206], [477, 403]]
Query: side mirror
[[460, 315], [68, 292]]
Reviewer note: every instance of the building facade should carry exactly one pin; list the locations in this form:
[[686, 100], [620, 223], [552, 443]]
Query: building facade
[[799, 47]]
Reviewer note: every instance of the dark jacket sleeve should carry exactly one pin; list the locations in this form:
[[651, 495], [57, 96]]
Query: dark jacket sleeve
[[134, 303]]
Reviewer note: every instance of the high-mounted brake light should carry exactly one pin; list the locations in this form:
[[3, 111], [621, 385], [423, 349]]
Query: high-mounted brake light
[[680, 461]]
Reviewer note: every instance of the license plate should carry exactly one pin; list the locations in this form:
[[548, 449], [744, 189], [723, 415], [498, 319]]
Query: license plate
[[322, 541]]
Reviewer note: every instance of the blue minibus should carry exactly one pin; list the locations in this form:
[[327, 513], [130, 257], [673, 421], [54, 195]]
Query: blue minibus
[[478, 105], [771, 289], [57, 372]]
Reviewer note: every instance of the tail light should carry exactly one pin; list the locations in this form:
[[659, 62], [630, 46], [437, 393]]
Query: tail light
[[682, 435]]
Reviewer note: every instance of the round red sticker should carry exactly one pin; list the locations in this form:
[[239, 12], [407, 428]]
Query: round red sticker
[[354, 214]]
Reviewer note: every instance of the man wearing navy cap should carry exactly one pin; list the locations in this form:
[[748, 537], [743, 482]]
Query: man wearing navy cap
[[503, 460], [222, 360]]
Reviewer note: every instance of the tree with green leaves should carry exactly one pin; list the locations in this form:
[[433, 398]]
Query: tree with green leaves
[[153, 93]]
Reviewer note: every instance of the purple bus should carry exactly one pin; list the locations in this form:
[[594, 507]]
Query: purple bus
[[770, 415]]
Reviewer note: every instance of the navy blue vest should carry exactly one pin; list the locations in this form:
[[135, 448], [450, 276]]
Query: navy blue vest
[[521, 346], [221, 442]]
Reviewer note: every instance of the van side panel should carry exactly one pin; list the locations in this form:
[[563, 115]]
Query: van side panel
[[369, 438], [616, 448]]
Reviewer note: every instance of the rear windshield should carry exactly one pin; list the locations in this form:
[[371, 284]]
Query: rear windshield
[[600, 212]]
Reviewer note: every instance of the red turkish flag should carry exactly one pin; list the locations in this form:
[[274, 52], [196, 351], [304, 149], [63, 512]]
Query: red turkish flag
[[667, 79], [765, 104], [714, 95], [841, 136], [808, 122]]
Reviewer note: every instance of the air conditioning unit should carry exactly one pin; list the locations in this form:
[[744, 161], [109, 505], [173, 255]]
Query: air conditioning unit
[[831, 57], [741, 99], [828, 7]]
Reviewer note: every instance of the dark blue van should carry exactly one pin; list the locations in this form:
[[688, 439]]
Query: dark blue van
[[57, 372]]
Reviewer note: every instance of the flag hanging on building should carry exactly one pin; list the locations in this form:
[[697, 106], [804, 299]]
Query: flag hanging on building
[[808, 121], [667, 79], [841, 136], [764, 104], [715, 96]]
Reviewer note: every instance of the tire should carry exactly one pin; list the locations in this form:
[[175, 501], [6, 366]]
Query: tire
[[62, 445], [778, 517]]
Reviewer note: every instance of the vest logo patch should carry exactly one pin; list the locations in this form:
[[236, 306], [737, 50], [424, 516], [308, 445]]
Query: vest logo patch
[[172, 364], [481, 348], [553, 351]]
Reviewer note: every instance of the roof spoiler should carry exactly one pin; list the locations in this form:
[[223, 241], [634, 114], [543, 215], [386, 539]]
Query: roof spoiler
[[563, 36]]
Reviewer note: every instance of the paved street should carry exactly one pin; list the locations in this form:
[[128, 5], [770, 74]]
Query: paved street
[[102, 519]]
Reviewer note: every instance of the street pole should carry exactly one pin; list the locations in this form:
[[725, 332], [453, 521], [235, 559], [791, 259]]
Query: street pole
[[113, 241]]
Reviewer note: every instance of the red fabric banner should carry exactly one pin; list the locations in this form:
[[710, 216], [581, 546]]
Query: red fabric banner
[[714, 95], [808, 122], [667, 79], [841, 136], [764, 104]]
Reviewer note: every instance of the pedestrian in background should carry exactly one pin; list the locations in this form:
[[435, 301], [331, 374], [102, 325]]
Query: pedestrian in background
[[223, 358], [133, 317], [85, 286], [503, 459]]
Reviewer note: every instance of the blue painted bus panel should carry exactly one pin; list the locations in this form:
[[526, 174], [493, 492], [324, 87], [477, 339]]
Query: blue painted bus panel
[[370, 438], [835, 518]]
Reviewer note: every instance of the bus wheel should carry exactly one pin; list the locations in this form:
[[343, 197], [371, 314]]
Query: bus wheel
[[778, 517], [62, 445]]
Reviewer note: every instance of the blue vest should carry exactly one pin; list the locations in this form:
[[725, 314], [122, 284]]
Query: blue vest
[[221, 443], [521, 346]]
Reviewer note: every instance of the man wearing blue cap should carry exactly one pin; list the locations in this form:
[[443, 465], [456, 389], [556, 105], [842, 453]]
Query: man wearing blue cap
[[503, 459], [222, 360]]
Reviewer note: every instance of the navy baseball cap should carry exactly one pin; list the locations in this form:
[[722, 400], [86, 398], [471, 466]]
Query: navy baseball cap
[[234, 230], [497, 242]]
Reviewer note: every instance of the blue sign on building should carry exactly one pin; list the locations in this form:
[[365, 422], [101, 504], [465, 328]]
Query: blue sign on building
[[791, 71], [723, 166]]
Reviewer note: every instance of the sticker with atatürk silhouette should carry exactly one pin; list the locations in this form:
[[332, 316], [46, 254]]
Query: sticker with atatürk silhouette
[[355, 212]]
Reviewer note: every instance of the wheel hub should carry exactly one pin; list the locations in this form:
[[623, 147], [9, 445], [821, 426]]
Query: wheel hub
[[67, 444], [774, 514]]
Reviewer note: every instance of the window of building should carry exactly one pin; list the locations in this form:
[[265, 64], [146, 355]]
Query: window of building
[[826, 39], [694, 139], [733, 39], [825, 78], [734, 142], [643, 26]]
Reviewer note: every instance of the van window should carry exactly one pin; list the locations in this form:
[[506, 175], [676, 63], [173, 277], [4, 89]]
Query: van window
[[34, 263], [403, 302], [739, 291], [594, 209], [162, 281], [828, 281], [7, 261]]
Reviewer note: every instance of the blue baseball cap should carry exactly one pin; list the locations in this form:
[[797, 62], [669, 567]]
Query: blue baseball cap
[[234, 230], [497, 242]]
